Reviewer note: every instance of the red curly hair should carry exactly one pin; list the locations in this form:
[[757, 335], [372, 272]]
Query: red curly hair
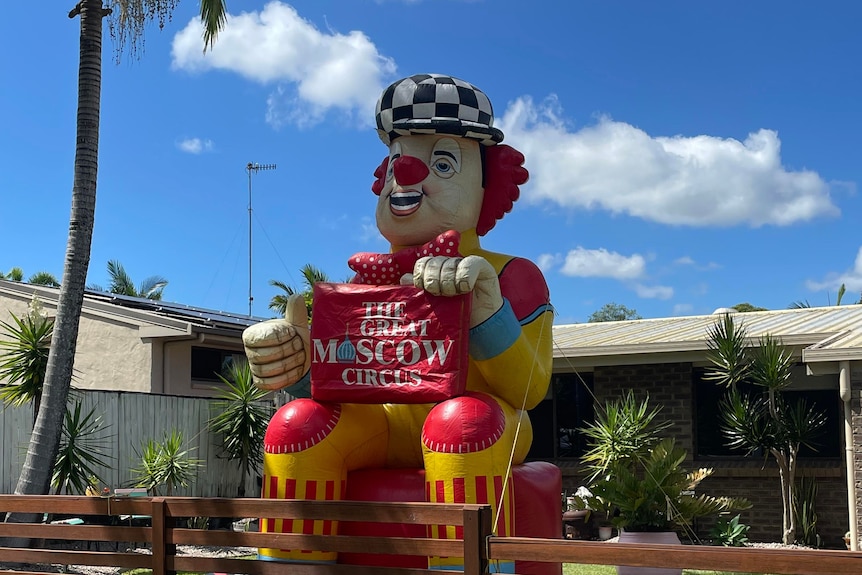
[[502, 172]]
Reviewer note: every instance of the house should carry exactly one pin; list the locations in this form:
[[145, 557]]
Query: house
[[139, 345], [146, 368], [667, 358]]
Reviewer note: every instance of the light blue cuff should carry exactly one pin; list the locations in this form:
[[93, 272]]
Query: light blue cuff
[[496, 334]]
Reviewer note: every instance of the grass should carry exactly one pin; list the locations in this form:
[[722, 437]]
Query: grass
[[580, 569]]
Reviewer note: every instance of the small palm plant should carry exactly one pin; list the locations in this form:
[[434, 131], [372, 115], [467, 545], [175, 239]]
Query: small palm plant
[[240, 418], [82, 450], [24, 357], [167, 463], [637, 476]]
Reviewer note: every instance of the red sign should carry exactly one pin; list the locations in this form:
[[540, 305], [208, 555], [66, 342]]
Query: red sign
[[387, 344]]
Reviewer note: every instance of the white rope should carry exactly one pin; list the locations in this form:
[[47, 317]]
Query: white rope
[[521, 414]]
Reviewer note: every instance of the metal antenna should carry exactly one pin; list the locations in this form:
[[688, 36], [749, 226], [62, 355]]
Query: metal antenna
[[252, 168]]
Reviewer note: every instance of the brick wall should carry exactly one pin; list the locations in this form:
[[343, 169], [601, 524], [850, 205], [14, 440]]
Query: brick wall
[[670, 385]]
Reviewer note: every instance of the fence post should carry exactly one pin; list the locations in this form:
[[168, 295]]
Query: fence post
[[161, 549], [477, 529]]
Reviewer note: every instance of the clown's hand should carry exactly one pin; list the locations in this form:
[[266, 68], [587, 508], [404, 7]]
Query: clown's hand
[[447, 276], [277, 349]]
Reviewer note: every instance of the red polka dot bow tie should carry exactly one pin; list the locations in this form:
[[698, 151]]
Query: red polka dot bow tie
[[387, 269]]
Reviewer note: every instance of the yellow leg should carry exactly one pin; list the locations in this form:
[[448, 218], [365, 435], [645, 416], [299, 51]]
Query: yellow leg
[[467, 445], [307, 453]]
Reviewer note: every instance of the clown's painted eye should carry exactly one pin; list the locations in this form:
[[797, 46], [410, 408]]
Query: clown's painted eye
[[394, 154], [391, 169], [443, 168]]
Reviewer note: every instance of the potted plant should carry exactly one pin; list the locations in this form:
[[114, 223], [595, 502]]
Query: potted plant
[[638, 478]]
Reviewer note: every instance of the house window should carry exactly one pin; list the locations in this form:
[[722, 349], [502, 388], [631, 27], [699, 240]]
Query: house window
[[556, 420], [711, 442], [209, 362]]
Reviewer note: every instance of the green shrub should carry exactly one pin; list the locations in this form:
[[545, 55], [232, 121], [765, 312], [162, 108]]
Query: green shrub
[[165, 463], [730, 532]]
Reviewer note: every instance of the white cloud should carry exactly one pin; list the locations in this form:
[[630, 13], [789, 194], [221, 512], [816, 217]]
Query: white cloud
[[195, 145], [548, 261], [852, 279], [581, 262], [695, 181], [314, 71], [368, 232], [682, 309], [653, 292], [689, 261]]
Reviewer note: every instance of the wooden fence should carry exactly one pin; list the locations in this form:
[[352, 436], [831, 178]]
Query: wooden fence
[[478, 546]]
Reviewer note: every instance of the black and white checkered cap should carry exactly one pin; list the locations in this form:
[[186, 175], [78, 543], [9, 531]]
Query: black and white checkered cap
[[436, 104]]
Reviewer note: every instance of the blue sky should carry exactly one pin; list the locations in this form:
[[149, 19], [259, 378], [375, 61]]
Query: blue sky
[[684, 156]]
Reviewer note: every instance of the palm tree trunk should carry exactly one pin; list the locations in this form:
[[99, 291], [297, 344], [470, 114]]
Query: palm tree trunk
[[35, 476], [791, 493], [786, 503]]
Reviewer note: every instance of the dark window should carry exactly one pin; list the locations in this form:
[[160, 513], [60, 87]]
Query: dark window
[[712, 442], [556, 421], [208, 362]]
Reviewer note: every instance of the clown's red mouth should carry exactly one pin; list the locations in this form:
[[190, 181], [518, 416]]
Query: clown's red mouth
[[405, 202]]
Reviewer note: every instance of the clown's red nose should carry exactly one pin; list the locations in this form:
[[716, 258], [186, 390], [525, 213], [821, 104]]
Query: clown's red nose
[[409, 170]]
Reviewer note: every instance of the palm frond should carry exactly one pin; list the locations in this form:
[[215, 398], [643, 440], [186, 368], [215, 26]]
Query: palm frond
[[240, 417], [213, 18], [44, 279], [152, 287], [83, 447], [726, 342], [312, 275], [24, 358], [771, 364], [120, 282]]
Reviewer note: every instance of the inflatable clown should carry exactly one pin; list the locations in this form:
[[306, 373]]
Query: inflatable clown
[[446, 176]]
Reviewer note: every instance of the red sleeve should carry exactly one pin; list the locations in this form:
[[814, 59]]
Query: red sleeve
[[522, 283]]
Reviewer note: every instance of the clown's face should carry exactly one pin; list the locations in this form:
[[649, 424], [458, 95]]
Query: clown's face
[[433, 184]]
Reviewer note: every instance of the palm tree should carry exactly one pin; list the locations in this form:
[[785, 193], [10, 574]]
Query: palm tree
[[762, 421], [35, 475], [310, 276], [241, 419], [14, 275], [44, 279], [122, 284]]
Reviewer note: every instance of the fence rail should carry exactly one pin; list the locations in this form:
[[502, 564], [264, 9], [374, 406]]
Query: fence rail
[[106, 523], [733, 559]]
